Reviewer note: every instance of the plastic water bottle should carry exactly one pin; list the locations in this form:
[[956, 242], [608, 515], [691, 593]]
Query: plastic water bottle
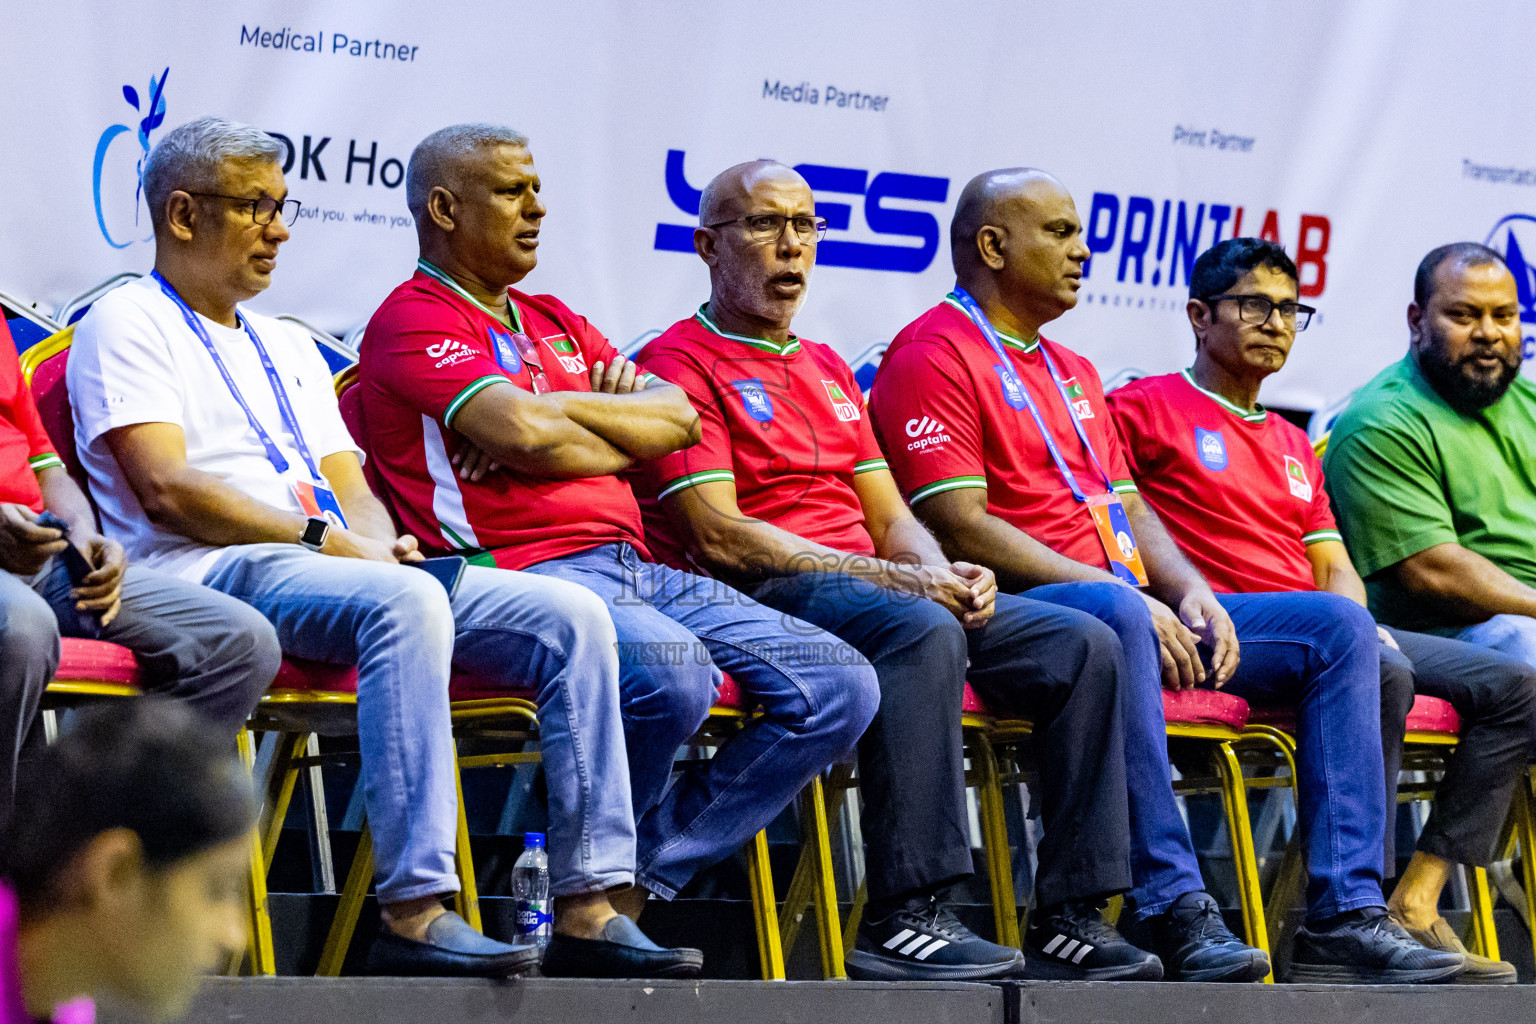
[[530, 890]]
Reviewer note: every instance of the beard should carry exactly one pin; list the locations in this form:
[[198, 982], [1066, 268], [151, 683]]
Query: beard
[[1464, 388]]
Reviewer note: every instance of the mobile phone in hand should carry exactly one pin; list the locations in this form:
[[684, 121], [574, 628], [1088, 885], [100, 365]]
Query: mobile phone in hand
[[74, 562], [447, 570]]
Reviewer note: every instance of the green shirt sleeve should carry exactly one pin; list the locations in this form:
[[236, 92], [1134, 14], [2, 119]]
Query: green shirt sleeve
[[1387, 489]]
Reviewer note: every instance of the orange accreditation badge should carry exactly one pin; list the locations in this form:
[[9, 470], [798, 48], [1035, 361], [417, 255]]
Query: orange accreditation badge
[[1116, 536]]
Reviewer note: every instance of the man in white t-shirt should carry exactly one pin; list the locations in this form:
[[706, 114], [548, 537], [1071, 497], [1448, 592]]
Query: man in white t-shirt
[[217, 452]]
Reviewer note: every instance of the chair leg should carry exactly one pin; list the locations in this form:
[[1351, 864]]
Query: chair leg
[[994, 836], [467, 900], [855, 915], [1485, 939], [259, 917], [765, 911], [818, 842], [798, 899], [1244, 859], [1525, 828], [282, 777], [344, 924]]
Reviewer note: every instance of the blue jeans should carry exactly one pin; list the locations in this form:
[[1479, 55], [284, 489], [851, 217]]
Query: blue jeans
[[1313, 651], [1514, 635], [676, 633], [398, 626]]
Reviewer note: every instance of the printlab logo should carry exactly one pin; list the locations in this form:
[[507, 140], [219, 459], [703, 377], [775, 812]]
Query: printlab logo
[[152, 107], [1512, 235]]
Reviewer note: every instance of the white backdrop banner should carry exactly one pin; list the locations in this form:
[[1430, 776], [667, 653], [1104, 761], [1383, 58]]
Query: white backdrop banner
[[1359, 134]]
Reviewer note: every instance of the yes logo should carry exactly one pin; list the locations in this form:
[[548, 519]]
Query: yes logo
[[1296, 476], [152, 107], [846, 410], [888, 221], [1211, 449]]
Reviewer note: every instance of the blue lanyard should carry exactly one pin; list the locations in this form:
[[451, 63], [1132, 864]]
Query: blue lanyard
[[973, 310], [284, 407]]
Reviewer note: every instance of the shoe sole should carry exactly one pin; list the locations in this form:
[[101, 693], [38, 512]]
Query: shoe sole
[[1042, 968], [1335, 974], [1468, 978], [680, 967], [862, 966], [396, 966], [1255, 968]]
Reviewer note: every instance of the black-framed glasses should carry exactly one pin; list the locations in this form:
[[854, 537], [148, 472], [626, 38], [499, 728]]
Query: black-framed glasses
[[769, 227], [1256, 309], [263, 208]]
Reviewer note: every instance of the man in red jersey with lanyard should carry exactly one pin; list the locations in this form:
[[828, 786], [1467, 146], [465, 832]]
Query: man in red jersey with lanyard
[[538, 413], [787, 497], [1216, 465], [1028, 478]]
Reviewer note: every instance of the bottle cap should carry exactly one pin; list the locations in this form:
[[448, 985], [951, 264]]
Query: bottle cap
[[533, 839]]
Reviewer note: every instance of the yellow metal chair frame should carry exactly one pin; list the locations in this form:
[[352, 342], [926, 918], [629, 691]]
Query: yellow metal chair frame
[[1520, 830], [1422, 751]]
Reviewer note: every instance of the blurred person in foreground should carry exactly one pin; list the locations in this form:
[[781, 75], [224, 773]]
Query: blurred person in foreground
[[123, 867]]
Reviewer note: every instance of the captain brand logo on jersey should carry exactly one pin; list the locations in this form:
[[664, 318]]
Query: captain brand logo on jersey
[[925, 425], [1080, 403], [1211, 447], [450, 353], [754, 398], [846, 410], [1296, 476]]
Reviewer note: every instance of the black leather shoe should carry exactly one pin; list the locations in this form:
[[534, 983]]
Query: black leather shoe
[[1195, 944], [453, 950], [622, 952]]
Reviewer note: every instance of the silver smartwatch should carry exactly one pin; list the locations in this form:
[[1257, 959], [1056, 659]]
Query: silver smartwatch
[[316, 529]]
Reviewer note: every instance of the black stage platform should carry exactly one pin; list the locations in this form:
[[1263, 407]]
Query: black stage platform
[[538, 1001]]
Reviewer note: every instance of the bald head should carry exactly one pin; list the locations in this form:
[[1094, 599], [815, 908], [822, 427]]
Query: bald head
[[982, 202], [729, 193]]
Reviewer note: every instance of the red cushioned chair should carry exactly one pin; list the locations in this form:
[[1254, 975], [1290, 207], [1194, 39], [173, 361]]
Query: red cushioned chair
[[481, 703], [1433, 729]]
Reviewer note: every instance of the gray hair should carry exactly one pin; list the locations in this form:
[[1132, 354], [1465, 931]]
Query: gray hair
[[189, 158], [433, 158]]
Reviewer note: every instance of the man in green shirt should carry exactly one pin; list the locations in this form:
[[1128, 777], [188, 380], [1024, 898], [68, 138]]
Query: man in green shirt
[[1432, 468]]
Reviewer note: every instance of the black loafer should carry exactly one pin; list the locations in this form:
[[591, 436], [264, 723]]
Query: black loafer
[[622, 952], [453, 950]]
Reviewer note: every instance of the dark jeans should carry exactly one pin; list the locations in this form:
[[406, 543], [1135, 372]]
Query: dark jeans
[[1495, 695], [193, 644], [1315, 652], [1058, 667]]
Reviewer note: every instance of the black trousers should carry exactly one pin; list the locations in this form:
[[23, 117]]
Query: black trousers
[[1495, 695], [1059, 667]]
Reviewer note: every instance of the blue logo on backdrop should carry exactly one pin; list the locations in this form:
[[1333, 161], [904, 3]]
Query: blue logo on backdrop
[[1511, 236], [1211, 449], [835, 252], [759, 406], [153, 109]]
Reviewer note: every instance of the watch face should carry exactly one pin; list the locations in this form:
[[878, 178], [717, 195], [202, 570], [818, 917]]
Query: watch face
[[315, 531]]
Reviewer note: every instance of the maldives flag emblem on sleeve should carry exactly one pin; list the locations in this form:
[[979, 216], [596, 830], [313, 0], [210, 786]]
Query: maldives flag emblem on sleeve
[[1296, 476], [1080, 402], [846, 410]]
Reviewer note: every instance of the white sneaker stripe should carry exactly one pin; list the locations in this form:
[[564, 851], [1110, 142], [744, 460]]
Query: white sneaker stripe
[[1066, 951], [921, 940], [898, 938], [1050, 947], [937, 945], [1082, 953]]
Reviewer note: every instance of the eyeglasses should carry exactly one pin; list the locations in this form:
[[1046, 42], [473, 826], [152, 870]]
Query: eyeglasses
[[1255, 309], [769, 227], [529, 350], [263, 208]]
